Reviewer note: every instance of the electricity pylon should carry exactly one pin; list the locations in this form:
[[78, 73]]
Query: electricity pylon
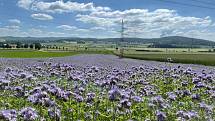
[[121, 50]]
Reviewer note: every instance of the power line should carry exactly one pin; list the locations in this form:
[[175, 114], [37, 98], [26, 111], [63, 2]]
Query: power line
[[185, 4]]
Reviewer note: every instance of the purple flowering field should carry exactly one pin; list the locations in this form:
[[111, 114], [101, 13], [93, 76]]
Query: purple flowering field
[[104, 88]]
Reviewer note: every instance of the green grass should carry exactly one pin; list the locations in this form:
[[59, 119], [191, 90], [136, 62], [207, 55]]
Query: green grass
[[44, 54], [189, 58]]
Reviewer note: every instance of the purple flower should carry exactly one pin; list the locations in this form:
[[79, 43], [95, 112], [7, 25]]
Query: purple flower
[[125, 94], [125, 103], [10, 115], [180, 113], [171, 96], [157, 99], [187, 115], [207, 108], [113, 94], [29, 114], [47, 102], [161, 116], [23, 75], [136, 99], [4, 82], [78, 98], [196, 80], [191, 114], [54, 113], [195, 96], [90, 97], [199, 85]]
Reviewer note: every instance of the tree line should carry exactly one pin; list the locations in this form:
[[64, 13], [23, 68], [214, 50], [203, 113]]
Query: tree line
[[37, 46]]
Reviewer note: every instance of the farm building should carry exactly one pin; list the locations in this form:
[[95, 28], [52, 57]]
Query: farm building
[[13, 45]]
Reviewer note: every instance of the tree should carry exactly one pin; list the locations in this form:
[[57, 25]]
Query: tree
[[25, 45], [1, 45], [31, 46], [18, 45], [38, 46], [7, 46]]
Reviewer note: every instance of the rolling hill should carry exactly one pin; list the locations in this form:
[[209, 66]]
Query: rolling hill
[[175, 41]]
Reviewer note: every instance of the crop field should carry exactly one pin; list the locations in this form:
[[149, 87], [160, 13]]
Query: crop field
[[198, 58], [32, 54], [46, 54], [107, 60], [105, 88], [176, 55], [167, 50]]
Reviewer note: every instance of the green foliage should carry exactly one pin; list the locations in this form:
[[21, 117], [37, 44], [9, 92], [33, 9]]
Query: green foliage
[[38, 46], [26, 45]]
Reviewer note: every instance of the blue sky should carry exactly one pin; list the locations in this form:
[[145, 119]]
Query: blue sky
[[101, 18]]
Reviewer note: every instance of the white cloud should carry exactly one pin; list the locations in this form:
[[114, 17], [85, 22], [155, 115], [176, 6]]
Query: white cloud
[[74, 29], [12, 27], [8, 31], [105, 22], [35, 31], [82, 30], [56, 34], [41, 33], [201, 34], [26, 4], [59, 6], [100, 21], [145, 23], [41, 16], [66, 27], [15, 21], [143, 17], [97, 28]]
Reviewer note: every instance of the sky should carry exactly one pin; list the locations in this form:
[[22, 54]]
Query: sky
[[102, 18]]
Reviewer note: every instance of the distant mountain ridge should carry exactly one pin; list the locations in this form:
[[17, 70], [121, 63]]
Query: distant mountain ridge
[[11, 38], [171, 40]]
